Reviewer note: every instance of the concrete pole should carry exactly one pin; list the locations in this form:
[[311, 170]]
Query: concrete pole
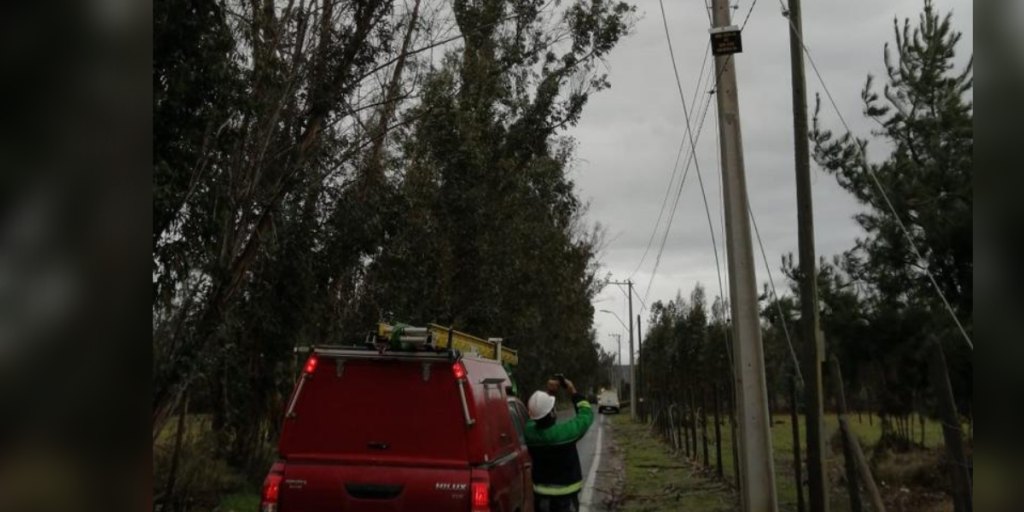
[[757, 471], [640, 369], [618, 362], [813, 353], [632, 366]]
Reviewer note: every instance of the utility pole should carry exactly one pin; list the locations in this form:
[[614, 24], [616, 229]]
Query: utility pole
[[813, 353], [632, 366], [757, 469], [618, 362], [640, 368]]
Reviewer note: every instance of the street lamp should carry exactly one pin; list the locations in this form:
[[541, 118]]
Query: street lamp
[[623, 324], [612, 313], [614, 377]]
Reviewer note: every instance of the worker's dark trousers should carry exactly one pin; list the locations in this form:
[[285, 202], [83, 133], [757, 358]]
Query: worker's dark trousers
[[567, 503]]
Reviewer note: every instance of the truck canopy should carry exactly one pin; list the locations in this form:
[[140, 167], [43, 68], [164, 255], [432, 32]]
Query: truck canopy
[[377, 409]]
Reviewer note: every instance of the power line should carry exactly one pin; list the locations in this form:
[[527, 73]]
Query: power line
[[689, 160], [775, 294], [693, 158], [679, 152], [661, 212], [700, 179], [878, 184], [693, 148], [675, 203], [679, 86], [675, 168], [721, 205], [747, 18], [726, 313]]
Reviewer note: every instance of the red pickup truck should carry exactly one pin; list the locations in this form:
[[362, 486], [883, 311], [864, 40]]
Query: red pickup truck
[[415, 431]]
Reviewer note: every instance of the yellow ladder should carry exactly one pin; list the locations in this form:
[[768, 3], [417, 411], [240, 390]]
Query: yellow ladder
[[439, 337]]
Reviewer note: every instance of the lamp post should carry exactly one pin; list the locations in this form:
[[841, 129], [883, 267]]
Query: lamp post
[[618, 360], [632, 384]]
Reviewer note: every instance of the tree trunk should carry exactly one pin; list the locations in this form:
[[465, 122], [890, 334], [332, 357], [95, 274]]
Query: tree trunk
[[704, 425], [921, 422], [694, 418], [678, 413], [387, 109], [691, 426], [718, 433], [250, 235], [179, 438]]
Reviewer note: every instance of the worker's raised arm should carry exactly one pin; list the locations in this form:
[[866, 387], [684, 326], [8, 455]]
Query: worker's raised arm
[[584, 415], [578, 426]]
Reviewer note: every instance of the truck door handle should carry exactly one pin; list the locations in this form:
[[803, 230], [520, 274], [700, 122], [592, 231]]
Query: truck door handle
[[528, 465]]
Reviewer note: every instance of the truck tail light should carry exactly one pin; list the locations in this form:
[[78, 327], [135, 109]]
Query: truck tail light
[[271, 489], [310, 365], [481, 493], [458, 370]]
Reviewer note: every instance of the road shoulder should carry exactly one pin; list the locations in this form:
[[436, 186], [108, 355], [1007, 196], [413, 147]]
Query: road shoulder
[[604, 481]]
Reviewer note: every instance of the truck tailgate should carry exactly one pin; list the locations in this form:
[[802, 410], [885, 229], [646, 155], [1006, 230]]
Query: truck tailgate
[[330, 486]]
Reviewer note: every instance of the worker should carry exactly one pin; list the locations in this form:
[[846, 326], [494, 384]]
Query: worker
[[557, 476]]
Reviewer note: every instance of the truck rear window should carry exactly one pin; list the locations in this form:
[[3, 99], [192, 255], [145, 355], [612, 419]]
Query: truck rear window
[[378, 409]]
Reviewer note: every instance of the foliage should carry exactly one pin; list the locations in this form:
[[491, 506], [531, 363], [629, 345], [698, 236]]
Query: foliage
[[686, 358], [318, 168], [926, 116], [879, 306]]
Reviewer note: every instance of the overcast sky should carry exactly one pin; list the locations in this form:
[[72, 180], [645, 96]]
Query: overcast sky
[[630, 134]]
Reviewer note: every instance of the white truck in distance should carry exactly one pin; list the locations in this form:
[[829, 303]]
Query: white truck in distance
[[608, 401]]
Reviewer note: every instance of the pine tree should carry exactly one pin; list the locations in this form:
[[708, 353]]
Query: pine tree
[[925, 113]]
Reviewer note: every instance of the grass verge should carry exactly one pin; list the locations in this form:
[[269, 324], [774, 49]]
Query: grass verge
[[657, 481]]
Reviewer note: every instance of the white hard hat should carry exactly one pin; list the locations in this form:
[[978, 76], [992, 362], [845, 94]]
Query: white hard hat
[[540, 405]]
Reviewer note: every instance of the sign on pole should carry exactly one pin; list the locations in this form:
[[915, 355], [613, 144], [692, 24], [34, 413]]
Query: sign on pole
[[726, 40]]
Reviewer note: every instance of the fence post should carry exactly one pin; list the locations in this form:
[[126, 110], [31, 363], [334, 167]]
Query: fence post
[[718, 433], [963, 500], [794, 415], [735, 446], [851, 467]]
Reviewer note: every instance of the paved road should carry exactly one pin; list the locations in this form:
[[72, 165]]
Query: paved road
[[592, 448]]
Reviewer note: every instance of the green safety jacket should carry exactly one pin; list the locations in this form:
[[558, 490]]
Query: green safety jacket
[[556, 463]]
